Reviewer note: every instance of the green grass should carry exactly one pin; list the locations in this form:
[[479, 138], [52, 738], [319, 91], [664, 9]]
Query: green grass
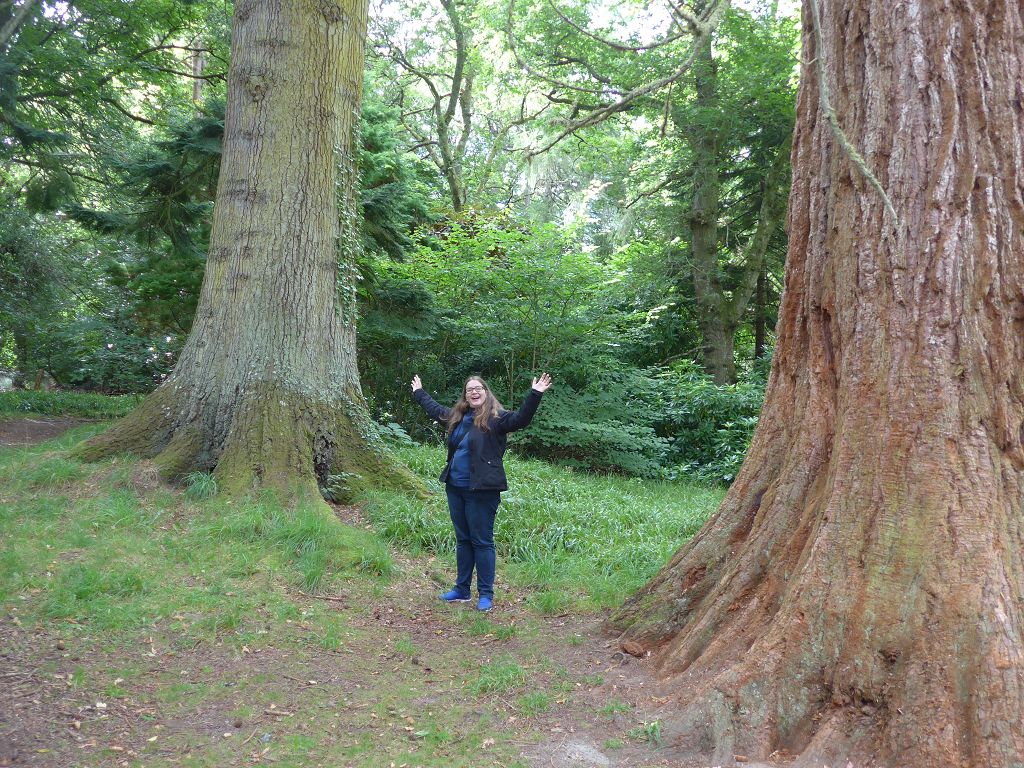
[[181, 602], [649, 732], [405, 647], [104, 560], [534, 703], [164, 587], [569, 534], [200, 485], [500, 676], [614, 707], [86, 405]]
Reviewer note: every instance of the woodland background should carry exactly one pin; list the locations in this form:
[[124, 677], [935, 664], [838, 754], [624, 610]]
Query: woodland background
[[638, 258]]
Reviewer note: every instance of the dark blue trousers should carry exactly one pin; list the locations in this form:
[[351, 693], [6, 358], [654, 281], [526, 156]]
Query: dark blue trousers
[[473, 514]]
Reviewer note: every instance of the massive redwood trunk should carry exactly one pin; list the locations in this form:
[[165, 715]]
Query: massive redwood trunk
[[859, 594], [266, 391]]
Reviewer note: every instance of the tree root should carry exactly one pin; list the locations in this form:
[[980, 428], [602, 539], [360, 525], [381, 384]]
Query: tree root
[[265, 438]]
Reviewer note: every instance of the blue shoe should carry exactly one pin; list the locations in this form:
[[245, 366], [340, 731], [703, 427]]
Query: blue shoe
[[485, 604], [454, 596]]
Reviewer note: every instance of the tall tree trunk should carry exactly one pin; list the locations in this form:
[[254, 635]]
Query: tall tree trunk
[[198, 60], [702, 135], [761, 312], [859, 594], [266, 390]]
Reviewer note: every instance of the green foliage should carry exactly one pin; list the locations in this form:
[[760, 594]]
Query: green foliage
[[710, 425], [64, 316], [393, 190], [609, 425], [486, 296], [81, 404]]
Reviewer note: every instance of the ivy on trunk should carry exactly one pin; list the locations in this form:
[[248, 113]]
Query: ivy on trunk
[[266, 391]]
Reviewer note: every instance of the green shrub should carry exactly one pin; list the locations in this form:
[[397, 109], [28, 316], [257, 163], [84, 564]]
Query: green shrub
[[607, 426], [708, 426]]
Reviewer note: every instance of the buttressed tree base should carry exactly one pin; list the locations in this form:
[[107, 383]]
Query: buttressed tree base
[[859, 594], [266, 391]]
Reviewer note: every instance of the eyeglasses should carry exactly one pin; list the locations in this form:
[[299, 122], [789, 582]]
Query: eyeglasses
[[474, 389]]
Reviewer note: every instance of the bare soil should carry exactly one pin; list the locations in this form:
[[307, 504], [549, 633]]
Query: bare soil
[[27, 431]]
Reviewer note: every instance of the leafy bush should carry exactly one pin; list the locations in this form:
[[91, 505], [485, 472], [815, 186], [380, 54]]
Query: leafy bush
[[608, 426], [709, 426]]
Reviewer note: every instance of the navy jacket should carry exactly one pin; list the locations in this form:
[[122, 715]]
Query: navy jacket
[[486, 449]]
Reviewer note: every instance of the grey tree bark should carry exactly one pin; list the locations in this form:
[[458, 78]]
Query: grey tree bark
[[266, 391]]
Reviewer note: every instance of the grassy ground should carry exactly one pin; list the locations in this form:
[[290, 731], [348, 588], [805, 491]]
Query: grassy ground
[[150, 626]]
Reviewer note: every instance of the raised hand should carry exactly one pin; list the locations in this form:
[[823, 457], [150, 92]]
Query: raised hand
[[542, 384], [416, 383]]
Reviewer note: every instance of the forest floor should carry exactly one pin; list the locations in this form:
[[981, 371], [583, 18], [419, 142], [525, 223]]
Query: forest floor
[[34, 429], [242, 667]]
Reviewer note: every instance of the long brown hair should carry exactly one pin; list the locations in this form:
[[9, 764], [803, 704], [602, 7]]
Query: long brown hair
[[490, 409]]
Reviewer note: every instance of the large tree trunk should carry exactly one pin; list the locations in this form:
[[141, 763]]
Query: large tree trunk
[[266, 390], [859, 594]]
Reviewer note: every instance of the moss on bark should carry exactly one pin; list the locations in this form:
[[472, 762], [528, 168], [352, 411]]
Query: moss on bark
[[275, 439], [144, 432]]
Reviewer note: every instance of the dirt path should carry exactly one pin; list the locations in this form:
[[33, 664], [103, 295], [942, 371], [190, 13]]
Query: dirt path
[[36, 429], [404, 676]]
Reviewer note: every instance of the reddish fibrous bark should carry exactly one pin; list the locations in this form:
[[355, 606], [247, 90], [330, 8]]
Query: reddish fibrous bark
[[859, 594]]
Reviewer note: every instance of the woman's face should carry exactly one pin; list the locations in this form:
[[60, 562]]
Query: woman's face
[[476, 393]]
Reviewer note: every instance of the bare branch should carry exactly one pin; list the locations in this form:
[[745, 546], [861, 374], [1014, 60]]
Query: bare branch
[[613, 44]]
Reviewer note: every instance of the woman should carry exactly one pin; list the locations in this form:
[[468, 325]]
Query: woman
[[474, 476]]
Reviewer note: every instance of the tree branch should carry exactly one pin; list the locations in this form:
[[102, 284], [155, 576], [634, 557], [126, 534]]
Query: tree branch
[[12, 25], [137, 118], [613, 44], [702, 30]]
